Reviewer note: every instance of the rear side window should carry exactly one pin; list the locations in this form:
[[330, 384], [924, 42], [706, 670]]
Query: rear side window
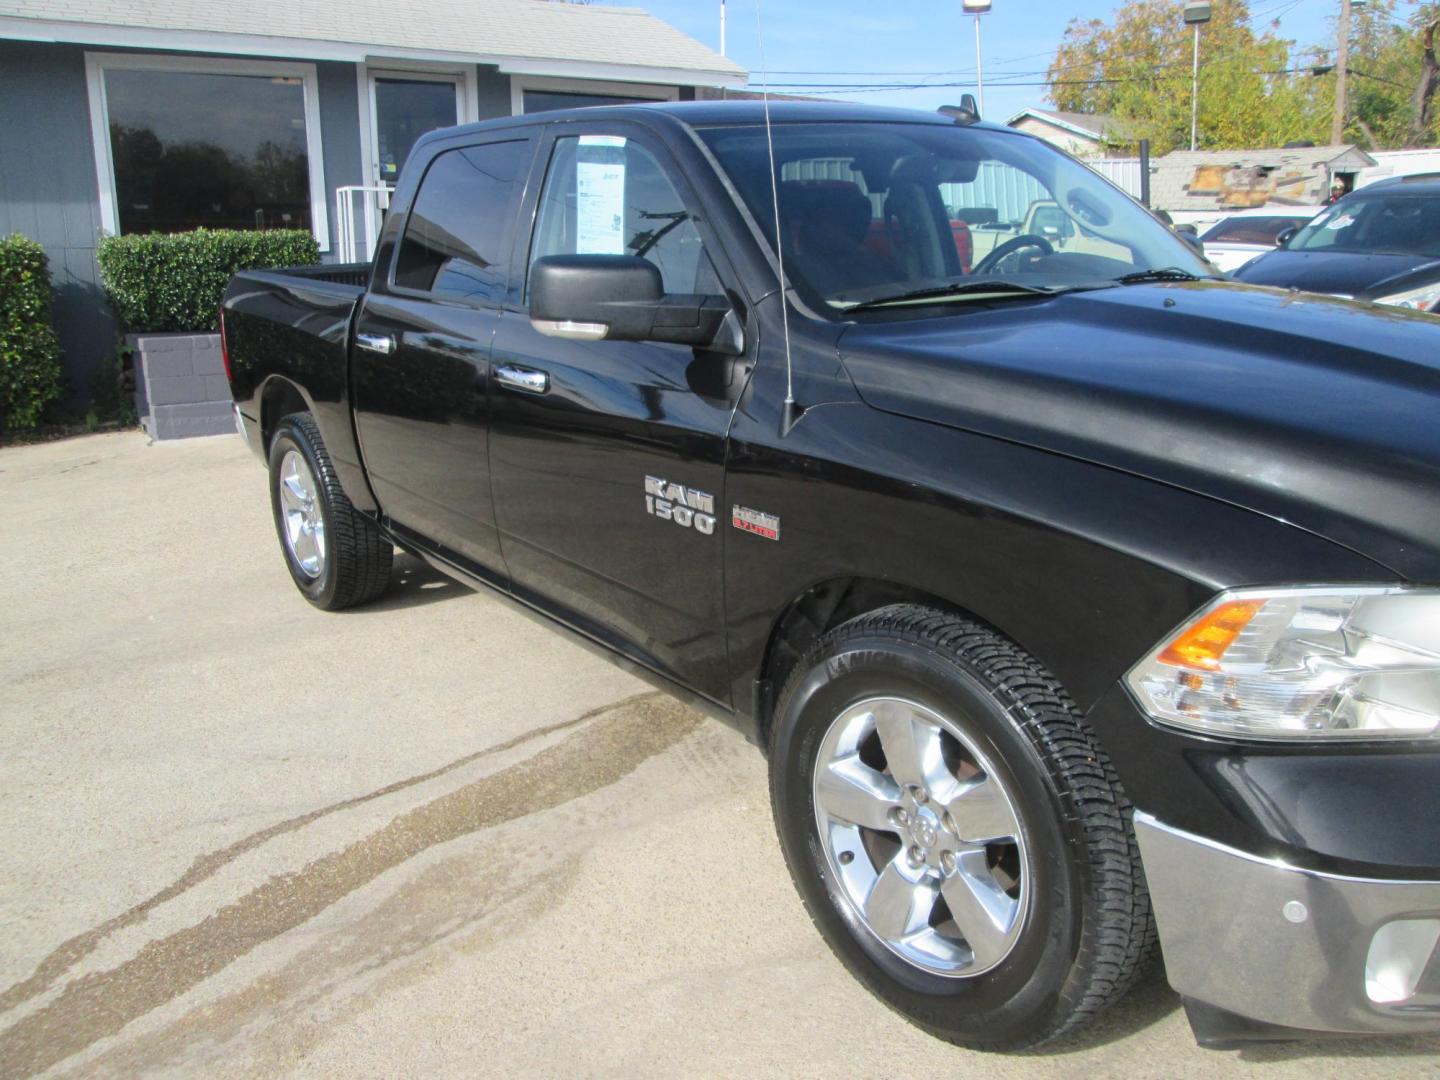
[[457, 239]]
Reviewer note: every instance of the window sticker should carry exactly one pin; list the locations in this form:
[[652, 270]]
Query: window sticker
[[1340, 222], [602, 140], [600, 198]]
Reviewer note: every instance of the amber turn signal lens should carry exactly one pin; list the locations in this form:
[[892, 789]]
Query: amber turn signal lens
[[1202, 644]]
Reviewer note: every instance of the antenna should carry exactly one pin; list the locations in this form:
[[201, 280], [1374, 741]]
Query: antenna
[[791, 412]]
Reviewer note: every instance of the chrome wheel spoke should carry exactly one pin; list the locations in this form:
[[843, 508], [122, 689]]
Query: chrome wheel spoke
[[911, 743], [981, 811], [984, 912], [849, 790], [292, 495], [899, 905]]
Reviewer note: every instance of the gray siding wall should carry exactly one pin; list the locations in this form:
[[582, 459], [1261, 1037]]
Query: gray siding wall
[[340, 137], [493, 90], [48, 191]]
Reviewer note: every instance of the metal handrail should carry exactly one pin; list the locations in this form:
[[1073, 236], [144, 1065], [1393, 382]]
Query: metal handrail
[[354, 247]]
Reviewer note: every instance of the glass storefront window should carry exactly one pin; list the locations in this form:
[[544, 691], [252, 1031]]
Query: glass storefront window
[[212, 149]]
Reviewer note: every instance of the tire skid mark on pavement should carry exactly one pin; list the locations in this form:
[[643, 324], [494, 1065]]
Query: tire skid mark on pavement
[[265, 1027], [71, 952], [618, 740]]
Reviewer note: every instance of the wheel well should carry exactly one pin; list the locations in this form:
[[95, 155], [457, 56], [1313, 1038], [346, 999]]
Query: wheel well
[[280, 399], [814, 613]]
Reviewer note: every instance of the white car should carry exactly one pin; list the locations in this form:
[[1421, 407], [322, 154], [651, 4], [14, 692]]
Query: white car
[[1236, 239]]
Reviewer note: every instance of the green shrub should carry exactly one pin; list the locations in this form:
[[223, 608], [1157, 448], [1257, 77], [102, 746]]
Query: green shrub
[[29, 352], [174, 281]]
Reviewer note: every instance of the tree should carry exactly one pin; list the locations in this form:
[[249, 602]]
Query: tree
[[1421, 126], [1393, 76], [1137, 67]]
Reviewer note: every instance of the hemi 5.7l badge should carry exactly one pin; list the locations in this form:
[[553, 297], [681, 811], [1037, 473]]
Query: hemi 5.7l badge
[[754, 521]]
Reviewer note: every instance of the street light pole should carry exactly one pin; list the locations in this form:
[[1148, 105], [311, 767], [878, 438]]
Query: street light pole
[[1197, 12], [977, 8], [1195, 93], [979, 67]]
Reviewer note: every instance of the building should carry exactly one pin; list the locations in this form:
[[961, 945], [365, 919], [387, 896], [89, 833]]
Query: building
[[1081, 134], [120, 117], [1201, 186]]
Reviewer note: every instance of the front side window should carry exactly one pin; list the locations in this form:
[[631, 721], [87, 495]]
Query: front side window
[[207, 149], [870, 212], [457, 238], [607, 195]]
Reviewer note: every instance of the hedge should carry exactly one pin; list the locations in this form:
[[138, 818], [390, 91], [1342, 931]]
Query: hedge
[[174, 281], [29, 352]]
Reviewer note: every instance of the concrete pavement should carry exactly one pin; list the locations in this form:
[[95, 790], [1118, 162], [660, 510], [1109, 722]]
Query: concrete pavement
[[429, 837]]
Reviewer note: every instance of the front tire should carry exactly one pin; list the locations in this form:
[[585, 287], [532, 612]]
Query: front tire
[[958, 836], [336, 556]]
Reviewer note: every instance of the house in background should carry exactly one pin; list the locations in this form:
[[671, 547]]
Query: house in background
[[1081, 134], [123, 117], [1201, 186]]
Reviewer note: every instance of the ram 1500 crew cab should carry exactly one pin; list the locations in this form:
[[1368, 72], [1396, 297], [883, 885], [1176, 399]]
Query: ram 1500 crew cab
[[1073, 595]]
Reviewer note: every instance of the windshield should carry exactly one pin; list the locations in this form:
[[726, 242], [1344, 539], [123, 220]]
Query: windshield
[[1376, 224], [871, 211]]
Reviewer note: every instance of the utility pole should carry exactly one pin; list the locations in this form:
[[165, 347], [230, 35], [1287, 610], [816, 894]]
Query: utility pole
[[722, 27], [1342, 60]]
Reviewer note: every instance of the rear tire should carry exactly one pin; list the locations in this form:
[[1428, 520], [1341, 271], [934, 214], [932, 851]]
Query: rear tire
[[336, 556], [967, 850]]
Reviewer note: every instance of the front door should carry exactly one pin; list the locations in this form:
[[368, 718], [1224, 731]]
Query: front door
[[404, 106], [608, 466], [421, 368]]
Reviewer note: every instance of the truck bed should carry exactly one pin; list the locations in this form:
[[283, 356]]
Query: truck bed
[[287, 334]]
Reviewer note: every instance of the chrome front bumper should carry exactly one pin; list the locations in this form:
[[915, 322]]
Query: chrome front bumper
[[1292, 948]]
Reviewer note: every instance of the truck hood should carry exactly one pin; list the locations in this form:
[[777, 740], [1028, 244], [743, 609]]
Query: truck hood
[[1323, 413]]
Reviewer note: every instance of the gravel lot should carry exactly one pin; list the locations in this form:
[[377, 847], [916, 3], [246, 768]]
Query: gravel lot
[[430, 837]]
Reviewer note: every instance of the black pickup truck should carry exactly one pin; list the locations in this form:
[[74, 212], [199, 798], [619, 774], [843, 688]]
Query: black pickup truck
[[1072, 594]]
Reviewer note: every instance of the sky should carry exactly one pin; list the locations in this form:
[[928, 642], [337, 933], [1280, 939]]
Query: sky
[[925, 38]]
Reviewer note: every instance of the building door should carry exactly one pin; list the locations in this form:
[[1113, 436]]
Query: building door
[[404, 106]]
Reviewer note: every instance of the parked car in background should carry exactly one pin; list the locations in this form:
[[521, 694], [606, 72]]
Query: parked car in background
[[1239, 237], [1381, 243]]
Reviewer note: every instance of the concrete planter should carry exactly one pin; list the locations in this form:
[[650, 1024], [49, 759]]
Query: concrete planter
[[180, 385]]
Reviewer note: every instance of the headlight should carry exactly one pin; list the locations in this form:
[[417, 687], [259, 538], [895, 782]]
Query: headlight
[[1312, 663], [1425, 298]]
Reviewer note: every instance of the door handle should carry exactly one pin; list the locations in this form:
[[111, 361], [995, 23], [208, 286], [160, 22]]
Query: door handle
[[381, 343], [531, 382]]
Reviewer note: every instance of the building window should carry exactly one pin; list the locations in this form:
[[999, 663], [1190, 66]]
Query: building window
[[187, 143], [533, 94], [535, 101]]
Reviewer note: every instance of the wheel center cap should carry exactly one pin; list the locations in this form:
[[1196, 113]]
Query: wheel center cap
[[926, 829]]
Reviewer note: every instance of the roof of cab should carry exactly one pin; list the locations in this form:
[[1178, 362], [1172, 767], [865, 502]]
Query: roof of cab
[[1414, 184], [708, 113]]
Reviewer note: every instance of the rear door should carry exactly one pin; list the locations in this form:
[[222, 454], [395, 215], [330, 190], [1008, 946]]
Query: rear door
[[421, 365], [608, 457]]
